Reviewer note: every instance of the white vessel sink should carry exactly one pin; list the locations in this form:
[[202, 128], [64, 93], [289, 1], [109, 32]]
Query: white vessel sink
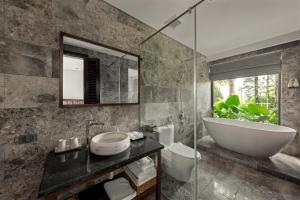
[[110, 143]]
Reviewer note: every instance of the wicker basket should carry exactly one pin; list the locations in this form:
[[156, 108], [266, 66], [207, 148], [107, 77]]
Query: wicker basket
[[75, 197], [142, 188]]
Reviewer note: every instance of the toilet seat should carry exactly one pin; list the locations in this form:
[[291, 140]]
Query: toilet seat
[[183, 150]]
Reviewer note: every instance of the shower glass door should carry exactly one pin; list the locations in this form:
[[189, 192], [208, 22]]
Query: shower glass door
[[167, 98]]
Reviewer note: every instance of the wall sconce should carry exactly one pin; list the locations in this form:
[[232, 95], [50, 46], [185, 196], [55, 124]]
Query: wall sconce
[[293, 83]]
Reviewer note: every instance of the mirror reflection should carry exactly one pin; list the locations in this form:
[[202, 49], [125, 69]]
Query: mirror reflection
[[94, 74], [73, 80]]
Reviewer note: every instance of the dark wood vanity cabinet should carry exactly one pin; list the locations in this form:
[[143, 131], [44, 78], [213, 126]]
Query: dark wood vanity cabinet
[[64, 178]]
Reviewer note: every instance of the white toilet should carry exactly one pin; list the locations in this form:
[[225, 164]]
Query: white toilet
[[177, 157]]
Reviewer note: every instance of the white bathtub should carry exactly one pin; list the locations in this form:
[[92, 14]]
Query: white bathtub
[[250, 138]]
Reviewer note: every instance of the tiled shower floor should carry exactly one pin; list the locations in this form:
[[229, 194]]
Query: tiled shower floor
[[220, 179]]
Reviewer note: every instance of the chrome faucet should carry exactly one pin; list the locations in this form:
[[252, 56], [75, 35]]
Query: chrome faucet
[[88, 125]]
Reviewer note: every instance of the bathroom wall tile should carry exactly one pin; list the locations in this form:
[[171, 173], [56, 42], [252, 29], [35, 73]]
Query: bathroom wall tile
[[164, 77], [160, 94], [125, 118], [291, 96], [126, 38], [163, 46], [1, 90], [2, 18], [101, 21], [17, 168], [155, 111], [146, 93], [25, 59], [29, 91], [30, 21], [71, 18], [55, 63]]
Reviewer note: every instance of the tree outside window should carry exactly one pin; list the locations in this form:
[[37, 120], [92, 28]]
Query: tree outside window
[[252, 98]]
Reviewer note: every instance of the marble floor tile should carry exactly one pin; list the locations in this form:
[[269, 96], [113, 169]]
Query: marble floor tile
[[252, 191], [173, 189], [279, 165], [222, 186], [221, 179], [153, 197], [283, 190], [217, 192]]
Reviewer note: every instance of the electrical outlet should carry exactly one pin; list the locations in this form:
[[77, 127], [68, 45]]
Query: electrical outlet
[[28, 138]]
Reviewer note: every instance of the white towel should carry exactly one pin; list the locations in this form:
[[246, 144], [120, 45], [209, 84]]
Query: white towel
[[138, 172], [139, 181], [130, 197], [135, 135], [119, 189], [144, 162]]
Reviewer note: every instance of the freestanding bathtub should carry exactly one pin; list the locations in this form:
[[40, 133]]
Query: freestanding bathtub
[[250, 138]]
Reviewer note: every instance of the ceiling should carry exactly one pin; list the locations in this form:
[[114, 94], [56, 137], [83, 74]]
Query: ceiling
[[224, 27]]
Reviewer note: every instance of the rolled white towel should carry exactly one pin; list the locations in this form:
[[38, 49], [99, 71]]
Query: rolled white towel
[[135, 135]]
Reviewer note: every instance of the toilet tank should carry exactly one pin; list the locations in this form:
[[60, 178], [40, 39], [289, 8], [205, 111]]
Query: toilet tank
[[166, 134]]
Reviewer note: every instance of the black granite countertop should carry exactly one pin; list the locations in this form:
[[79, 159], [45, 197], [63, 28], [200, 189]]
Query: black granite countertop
[[58, 174]]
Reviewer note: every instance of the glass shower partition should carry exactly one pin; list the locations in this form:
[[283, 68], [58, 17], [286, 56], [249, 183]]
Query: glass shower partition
[[171, 75]]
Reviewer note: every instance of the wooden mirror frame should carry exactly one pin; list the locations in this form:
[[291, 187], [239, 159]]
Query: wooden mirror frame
[[61, 53]]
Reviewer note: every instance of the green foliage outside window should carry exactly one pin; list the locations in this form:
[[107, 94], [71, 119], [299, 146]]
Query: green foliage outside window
[[252, 98], [231, 108]]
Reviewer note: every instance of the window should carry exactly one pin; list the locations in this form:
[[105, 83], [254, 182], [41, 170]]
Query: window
[[252, 98], [247, 89]]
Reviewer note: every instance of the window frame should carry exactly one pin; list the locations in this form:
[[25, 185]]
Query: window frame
[[279, 88]]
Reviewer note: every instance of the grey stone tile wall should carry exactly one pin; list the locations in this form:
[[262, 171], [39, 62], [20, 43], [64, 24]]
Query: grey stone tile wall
[[30, 21], [167, 88], [290, 97], [1, 18], [29, 78], [25, 59], [30, 91], [1, 90]]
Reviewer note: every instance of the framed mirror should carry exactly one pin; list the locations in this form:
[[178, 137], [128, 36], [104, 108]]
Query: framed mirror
[[96, 74]]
